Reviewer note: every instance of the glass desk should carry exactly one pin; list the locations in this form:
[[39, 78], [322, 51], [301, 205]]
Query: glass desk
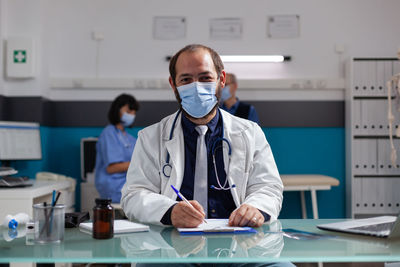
[[166, 245]]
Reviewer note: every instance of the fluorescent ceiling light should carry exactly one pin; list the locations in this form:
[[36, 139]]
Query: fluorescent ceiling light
[[255, 58]]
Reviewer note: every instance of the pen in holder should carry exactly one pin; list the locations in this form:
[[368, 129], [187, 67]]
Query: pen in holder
[[50, 221]]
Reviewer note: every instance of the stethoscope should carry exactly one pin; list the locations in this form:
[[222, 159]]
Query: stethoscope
[[167, 168]]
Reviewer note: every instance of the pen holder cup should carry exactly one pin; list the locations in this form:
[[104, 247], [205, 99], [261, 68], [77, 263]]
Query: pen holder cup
[[50, 222]]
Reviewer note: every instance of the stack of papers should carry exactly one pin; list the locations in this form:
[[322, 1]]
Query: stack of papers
[[215, 226], [120, 227]]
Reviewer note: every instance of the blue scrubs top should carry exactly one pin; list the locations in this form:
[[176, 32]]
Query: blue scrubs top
[[113, 146]]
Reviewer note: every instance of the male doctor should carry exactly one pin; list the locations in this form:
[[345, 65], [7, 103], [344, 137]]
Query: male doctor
[[221, 163]]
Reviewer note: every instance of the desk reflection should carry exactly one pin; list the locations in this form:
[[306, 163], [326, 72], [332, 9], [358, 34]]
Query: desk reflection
[[167, 242]]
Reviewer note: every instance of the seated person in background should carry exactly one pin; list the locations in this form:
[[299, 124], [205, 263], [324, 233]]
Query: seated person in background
[[115, 147], [231, 103]]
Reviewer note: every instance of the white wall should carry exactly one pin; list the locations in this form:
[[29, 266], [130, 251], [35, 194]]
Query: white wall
[[2, 27], [62, 28]]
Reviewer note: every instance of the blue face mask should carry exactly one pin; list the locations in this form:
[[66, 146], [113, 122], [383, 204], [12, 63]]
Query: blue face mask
[[198, 98], [127, 119], [225, 94]]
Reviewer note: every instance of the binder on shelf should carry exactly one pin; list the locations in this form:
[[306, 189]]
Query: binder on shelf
[[371, 77], [388, 75], [374, 116], [385, 166], [365, 157], [357, 117], [380, 195], [380, 78], [392, 199], [396, 67], [370, 195], [358, 78], [357, 195], [384, 73], [367, 111]]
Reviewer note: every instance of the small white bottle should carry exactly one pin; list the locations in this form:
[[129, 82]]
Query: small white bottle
[[12, 222]]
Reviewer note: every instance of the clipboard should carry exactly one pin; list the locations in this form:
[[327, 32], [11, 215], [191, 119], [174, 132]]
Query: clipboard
[[216, 226]]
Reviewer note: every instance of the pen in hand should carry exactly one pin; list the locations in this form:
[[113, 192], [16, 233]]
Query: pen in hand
[[184, 199]]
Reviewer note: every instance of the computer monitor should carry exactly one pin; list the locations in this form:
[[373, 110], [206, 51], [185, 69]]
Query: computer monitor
[[19, 141]]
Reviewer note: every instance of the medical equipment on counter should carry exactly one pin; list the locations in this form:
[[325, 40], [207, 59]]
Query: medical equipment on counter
[[12, 222], [396, 81], [12, 228], [11, 234]]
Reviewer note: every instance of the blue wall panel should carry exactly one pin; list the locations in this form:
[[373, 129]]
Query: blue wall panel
[[296, 151], [311, 151]]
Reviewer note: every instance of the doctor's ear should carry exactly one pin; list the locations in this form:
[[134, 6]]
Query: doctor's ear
[[175, 90], [171, 83], [222, 79]]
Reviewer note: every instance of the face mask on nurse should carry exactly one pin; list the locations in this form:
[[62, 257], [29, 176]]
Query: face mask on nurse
[[198, 98], [127, 119]]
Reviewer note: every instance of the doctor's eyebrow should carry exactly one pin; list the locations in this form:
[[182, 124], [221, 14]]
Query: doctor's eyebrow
[[188, 75]]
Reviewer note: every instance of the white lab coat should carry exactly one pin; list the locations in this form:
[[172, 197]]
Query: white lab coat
[[147, 193]]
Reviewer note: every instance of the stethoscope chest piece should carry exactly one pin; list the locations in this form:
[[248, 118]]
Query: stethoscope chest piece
[[167, 169]]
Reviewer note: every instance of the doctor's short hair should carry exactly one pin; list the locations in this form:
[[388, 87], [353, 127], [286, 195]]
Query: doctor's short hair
[[219, 66], [118, 103]]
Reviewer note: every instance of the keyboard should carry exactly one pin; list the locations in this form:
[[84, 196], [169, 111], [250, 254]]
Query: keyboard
[[13, 181]]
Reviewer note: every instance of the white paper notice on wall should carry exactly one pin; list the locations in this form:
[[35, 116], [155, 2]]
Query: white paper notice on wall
[[20, 57], [169, 28], [226, 29], [284, 26]]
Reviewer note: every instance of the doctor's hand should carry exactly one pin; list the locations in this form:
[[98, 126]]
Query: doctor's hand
[[185, 216], [246, 215]]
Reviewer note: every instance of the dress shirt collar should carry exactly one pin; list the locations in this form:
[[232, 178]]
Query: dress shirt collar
[[189, 126]]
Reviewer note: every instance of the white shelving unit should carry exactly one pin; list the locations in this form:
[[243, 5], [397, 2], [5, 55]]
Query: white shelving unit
[[372, 182]]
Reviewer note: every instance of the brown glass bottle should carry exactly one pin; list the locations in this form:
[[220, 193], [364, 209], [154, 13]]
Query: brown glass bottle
[[103, 219]]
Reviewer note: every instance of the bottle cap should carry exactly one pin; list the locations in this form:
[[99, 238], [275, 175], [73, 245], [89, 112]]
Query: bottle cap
[[13, 224], [103, 201]]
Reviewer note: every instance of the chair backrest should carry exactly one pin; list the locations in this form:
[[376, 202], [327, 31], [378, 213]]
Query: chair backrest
[[88, 156]]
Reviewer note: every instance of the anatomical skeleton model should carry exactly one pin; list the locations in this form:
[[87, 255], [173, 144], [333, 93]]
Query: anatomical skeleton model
[[395, 80]]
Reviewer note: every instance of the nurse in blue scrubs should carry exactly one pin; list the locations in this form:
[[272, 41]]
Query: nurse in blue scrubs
[[115, 147]]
